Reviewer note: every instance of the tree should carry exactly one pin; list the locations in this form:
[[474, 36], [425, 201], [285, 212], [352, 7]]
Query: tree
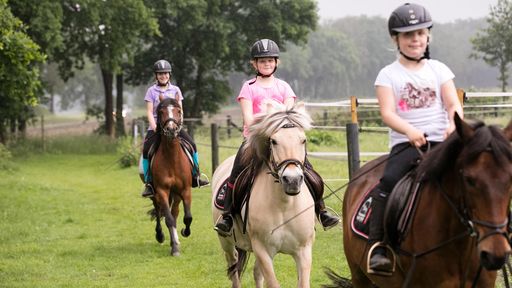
[[494, 43], [19, 72], [206, 39], [106, 32]]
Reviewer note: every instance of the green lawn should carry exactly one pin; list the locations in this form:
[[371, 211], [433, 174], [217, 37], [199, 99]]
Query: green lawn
[[77, 219]]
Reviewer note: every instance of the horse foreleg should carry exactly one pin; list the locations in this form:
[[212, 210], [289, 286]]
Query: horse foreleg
[[159, 236], [187, 218], [257, 274], [170, 222], [265, 264], [303, 260]]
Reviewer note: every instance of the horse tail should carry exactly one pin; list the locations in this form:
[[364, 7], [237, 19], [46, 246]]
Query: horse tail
[[240, 265], [337, 280], [152, 213]]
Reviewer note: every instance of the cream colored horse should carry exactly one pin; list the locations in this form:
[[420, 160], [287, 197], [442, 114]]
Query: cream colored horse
[[281, 216]]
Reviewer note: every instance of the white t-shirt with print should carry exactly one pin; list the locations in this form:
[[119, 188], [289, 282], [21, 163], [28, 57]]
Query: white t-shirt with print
[[418, 97]]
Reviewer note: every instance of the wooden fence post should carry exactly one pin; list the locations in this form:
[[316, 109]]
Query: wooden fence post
[[353, 139], [215, 147], [228, 125]]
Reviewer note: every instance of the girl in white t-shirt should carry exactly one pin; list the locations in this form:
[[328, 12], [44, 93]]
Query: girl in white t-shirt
[[254, 95], [418, 101]]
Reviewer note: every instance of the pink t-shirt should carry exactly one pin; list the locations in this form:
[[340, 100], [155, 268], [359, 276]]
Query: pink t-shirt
[[259, 95]]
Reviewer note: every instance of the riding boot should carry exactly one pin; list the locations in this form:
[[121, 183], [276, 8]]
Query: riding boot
[[327, 219], [148, 188], [223, 227], [316, 188], [379, 262], [196, 174]]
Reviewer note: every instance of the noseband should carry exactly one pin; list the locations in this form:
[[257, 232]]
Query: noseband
[[277, 169], [166, 130]]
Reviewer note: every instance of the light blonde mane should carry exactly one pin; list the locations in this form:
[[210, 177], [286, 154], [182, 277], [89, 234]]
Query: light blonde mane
[[265, 125]]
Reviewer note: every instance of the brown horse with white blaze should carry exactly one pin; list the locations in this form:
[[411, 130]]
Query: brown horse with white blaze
[[458, 235], [172, 177]]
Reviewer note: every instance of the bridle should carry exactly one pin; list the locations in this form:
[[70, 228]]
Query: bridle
[[468, 222], [166, 130], [277, 169]]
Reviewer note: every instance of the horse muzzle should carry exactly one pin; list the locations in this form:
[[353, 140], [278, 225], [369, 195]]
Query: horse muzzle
[[292, 179], [494, 250]]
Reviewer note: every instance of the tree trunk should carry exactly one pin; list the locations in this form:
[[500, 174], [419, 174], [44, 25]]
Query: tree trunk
[[119, 106], [107, 85]]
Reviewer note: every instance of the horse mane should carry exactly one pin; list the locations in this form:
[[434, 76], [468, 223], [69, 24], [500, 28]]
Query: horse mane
[[257, 145], [454, 151]]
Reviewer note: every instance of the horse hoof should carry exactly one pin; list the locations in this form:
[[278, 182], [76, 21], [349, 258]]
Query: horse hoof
[[175, 253], [185, 232], [160, 238]]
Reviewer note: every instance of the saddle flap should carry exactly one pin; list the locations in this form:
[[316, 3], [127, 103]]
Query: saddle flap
[[400, 208]]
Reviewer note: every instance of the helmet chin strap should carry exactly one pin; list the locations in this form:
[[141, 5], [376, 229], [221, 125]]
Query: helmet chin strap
[[426, 55], [263, 76]]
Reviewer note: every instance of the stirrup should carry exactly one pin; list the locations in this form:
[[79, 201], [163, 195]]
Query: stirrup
[[392, 259], [200, 182], [148, 192], [222, 232]]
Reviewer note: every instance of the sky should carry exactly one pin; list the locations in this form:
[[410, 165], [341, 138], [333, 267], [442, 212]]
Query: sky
[[442, 11]]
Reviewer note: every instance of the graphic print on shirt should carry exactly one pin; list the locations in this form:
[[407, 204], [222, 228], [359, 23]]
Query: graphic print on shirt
[[412, 97]]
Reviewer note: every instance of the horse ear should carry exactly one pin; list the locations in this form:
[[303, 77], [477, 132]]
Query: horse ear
[[272, 106], [300, 107], [463, 129], [508, 131]]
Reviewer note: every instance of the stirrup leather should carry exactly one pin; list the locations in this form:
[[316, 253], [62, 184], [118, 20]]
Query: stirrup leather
[[389, 252]]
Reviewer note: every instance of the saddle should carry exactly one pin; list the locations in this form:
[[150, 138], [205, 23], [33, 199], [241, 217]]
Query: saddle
[[400, 208], [244, 182], [185, 145]]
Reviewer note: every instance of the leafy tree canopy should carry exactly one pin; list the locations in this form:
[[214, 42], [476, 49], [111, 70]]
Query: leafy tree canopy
[[19, 73]]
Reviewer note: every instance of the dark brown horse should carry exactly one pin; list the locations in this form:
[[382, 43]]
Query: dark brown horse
[[458, 235], [172, 177]]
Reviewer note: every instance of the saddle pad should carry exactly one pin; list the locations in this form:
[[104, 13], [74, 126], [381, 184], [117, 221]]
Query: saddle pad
[[220, 196], [359, 223], [399, 210]]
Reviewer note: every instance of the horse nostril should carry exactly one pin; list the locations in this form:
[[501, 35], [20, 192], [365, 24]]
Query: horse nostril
[[492, 262]]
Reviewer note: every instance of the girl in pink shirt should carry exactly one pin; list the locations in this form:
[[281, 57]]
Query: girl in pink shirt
[[255, 94]]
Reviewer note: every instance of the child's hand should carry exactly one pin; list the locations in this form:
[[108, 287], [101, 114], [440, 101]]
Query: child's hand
[[416, 137]]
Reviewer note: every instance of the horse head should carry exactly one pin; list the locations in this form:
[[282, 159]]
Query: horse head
[[277, 140], [484, 172], [169, 118]]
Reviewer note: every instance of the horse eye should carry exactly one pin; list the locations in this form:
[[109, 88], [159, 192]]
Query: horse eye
[[304, 141], [273, 142], [469, 180]]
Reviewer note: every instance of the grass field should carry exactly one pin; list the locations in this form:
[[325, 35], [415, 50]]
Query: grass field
[[71, 217]]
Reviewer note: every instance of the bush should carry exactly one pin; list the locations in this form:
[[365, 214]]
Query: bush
[[319, 137], [128, 151]]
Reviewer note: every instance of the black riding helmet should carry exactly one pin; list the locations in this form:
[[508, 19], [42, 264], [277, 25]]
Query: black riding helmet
[[162, 66], [264, 48], [410, 17]]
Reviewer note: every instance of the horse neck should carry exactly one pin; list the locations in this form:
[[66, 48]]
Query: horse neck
[[170, 147], [444, 219]]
